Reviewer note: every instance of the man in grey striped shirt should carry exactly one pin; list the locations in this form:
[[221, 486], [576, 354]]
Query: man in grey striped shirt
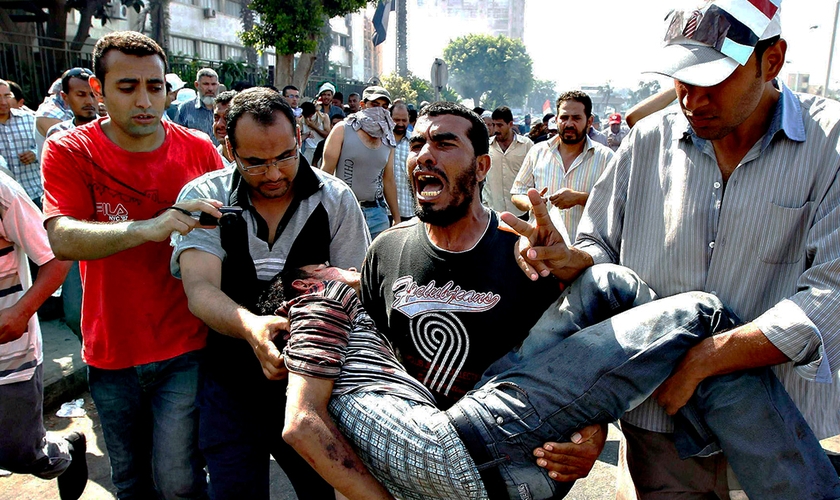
[[769, 248]]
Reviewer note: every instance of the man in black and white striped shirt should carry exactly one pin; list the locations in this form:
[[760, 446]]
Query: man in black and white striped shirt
[[769, 248]]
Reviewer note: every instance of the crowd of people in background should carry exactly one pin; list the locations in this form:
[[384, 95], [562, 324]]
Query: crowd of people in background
[[419, 300]]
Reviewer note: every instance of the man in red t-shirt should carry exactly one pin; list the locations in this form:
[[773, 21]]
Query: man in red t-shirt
[[110, 197]]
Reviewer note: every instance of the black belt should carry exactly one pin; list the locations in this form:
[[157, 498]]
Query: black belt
[[473, 442], [369, 204]]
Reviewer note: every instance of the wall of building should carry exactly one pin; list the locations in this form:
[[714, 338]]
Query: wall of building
[[192, 33]]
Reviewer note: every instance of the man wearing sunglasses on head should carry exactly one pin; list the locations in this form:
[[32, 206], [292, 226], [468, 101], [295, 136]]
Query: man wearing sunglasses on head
[[735, 194], [291, 215]]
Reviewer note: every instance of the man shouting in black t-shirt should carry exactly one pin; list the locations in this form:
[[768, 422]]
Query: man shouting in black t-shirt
[[445, 287]]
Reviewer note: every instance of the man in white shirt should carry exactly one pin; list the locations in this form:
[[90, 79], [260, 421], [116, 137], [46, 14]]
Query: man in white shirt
[[507, 152]]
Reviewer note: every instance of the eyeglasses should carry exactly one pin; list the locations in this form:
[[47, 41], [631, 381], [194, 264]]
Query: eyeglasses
[[263, 167]]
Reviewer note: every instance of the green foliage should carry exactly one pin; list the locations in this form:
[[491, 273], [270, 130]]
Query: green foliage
[[231, 71], [449, 94], [414, 90], [491, 70], [542, 90], [645, 90], [293, 26]]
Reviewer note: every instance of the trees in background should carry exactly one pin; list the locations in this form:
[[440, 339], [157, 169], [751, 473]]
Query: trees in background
[[490, 70], [291, 27]]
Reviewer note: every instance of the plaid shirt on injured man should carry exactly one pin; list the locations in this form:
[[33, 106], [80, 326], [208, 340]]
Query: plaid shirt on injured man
[[17, 136], [405, 441]]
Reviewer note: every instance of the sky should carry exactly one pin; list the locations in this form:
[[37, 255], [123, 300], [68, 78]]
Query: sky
[[591, 42]]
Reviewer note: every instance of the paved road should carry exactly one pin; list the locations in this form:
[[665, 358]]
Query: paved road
[[599, 485]]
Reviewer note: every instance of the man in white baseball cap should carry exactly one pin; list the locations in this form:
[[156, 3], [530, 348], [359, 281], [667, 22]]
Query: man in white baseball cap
[[736, 194], [173, 85]]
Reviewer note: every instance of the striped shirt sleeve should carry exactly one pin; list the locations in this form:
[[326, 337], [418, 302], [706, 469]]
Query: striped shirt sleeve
[[319, 332]]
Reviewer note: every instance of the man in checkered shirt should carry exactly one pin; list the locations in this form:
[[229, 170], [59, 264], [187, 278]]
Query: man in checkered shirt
[[345, 380], [17, 145]]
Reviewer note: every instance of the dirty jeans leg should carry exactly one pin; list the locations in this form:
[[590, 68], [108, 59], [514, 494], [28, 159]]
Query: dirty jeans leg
[[26, 448], [592, 376], [600, 292], [605, 369], [768, 443]]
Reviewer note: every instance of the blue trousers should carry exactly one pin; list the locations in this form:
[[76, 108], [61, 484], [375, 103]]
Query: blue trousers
[[601, 350], [150, 423], [376, 219]]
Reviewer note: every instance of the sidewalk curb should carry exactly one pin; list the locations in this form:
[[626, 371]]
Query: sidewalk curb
[[65, 374]]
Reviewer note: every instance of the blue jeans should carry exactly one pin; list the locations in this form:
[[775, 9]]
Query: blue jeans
[[150, 423], [376, 219], [607, 345]]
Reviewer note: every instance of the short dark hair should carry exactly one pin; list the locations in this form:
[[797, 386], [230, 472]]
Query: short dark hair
[[502, 113], [577, 96], [16, 90], [83, 74], [127, 42], [241, 85], [477, 133], [760, 48], [262, 104], [339, 96], [225, 97], [280, 289], [307, 109], [289, 87], [354, 94]]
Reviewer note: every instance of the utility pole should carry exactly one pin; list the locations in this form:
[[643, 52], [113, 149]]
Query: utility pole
[[402, 38], [831, 49]]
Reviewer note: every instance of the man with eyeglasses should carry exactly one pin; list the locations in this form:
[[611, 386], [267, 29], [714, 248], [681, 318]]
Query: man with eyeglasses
[[735, 194], [291, 215], [292, 96]]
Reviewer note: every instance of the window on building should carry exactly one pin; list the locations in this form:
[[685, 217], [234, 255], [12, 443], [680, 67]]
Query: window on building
[[183, 46], [232, 8], [211, 4], [209, 51], [270, 59], [237, 53]]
